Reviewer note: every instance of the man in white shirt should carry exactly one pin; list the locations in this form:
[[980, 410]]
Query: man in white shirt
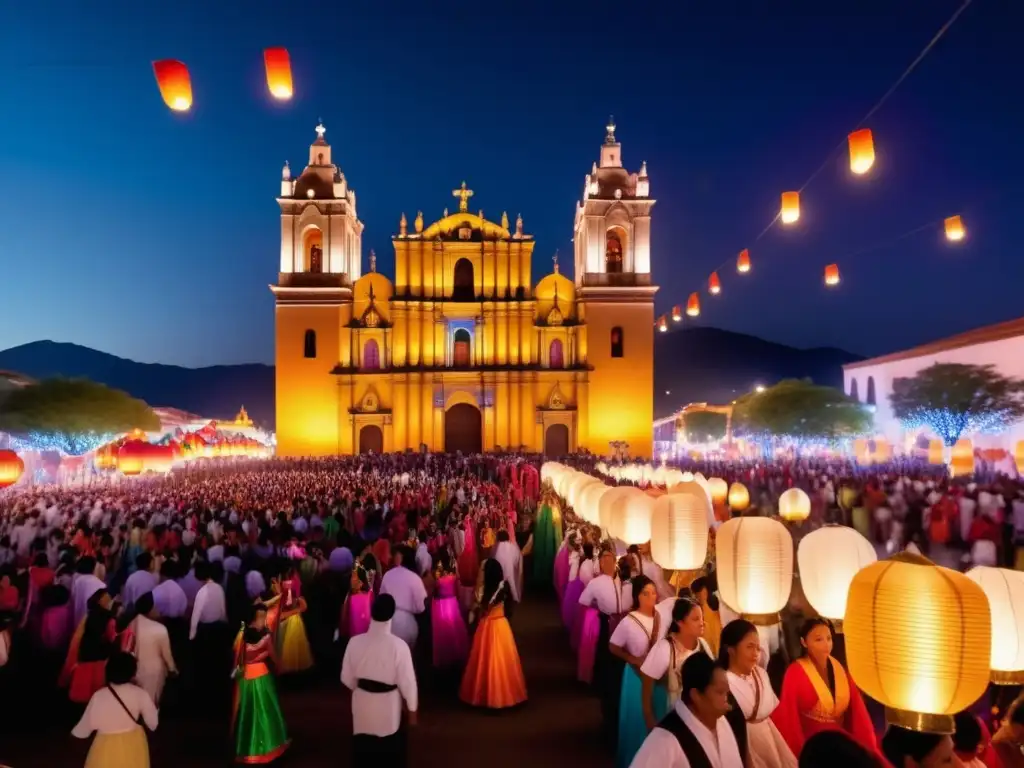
[[378, 669], [152, 649], [211, 641], [507, 553], [142, 581], [406, 587], [696, 731]]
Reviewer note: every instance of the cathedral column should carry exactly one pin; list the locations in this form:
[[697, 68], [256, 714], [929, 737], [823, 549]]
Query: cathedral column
[[489, 402], [415, 349], [525, 337], [528, 411], [415, 400], [427, 336], [400, 411], [427, 410], [515, 419], [501, 410], [582, 412], [502, 333], [440, 345], [428, 271], [399, 336]]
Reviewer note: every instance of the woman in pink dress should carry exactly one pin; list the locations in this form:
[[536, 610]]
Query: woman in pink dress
[[469, 566], [355, 613], [450, 636]]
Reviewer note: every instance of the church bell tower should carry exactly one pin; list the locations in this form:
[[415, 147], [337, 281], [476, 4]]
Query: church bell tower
[[612, 240]]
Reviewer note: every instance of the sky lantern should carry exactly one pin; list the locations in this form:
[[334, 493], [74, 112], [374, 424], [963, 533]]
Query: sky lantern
[[832, 274], [175, 84], [693, 305], [955, 231], [794, 505], [743, 262], [790, 211], [677, 313], [739, 497], [862, 151], [279, 72], [916, 640], [11, 468], [662, 324], [714, 285]]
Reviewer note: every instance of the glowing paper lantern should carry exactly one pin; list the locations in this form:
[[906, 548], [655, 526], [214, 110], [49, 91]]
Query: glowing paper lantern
[[679, 530], [662, 324], [915, 634], [677, 313], [832, 274], [1018, 456], [693, 305], [955, 231], [631, 521], [739, 497], [790, 211], [131, 457], [11, 468], [936, 453], [829, 558], [175, 84], [719, 490], [794, 505], [743, 261], [608, 506], [714, 285], [1005, 591], [279, 72], [862, 151], [755, 567], [590, 499]]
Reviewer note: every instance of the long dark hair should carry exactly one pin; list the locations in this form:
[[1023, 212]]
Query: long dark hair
[[732, 635], [681, 609], [639, 584], [494, 583]]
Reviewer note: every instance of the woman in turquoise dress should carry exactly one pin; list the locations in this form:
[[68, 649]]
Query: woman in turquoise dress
[[258, 726], [547, 537]]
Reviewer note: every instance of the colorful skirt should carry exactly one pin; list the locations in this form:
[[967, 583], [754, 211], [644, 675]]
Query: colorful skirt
[[570, 600], [294, 654], [87, 677], [632, 726], [119, 750], [545, 544], [356, 614], [259, 730], [494, 676], [450, 636], [560, 572], [590, 630]]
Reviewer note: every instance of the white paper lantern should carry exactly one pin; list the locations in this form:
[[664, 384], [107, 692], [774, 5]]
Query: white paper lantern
[[794, 505], [693, 486], [1005, 592], [634, 519], [608, 505], [590, 498], [719, 490], [679, 529], [829, 558], [687, 477], [755, 567], [548, 471]]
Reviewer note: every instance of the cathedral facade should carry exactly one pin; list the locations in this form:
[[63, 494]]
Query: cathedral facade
[[462, 350]]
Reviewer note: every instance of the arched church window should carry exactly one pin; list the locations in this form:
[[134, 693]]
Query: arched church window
[[462, 282], [371, 355], [320, 158], [617, 341], [613, 252], [853, 389], [460, 356], [309, 344], [555, 355], [316, 258], [870, 399]]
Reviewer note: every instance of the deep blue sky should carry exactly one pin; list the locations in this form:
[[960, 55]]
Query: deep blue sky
[[153, 235]]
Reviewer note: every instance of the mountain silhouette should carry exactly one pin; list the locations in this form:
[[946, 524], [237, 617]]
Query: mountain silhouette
[[691, 365]]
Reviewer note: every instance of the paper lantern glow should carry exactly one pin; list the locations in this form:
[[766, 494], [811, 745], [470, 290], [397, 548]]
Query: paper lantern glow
[[693, 305], [1005, 592], [862, 151], [955, 230], [743, 261], [739, 497], [790, 211], [679, 530], [794, 505], [714, 284], [829, 558], [915, 634], [677, 313], [755, 567], [719, 490], [279, 72], [632, 520], [11, 468], [663, 324], [832, 274], [175, 84]]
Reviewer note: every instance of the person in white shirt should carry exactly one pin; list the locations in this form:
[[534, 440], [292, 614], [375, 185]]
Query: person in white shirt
[[406, 587], [211, 639], [152, 649], [168, 596], [142, 581], [507, 553], [378, 669], [84, 586], [424, 562], [113, 713], [696, 731]]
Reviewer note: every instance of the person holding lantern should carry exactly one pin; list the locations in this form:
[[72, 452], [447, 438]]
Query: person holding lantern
[[818, 694]]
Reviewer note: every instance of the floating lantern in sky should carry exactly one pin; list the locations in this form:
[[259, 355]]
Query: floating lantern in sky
[[714, 285], [790, 211], [743, 262], [955, 229], [832, 274], [693, 305], [677, 313], [11, 468], [175, 84], [862, 151], [279, 72], [662, 324]]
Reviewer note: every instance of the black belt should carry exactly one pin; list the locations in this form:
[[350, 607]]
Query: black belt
[[374, 686]]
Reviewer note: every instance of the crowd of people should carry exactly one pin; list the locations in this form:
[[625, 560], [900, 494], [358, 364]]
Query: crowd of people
[[210, 587]]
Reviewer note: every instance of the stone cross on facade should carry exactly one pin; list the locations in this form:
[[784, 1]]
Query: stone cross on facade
[[463, 194]]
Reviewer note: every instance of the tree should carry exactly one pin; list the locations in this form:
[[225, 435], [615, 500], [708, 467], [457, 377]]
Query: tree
[[704, 426], [954, 399], [800, 409], [72, 415]]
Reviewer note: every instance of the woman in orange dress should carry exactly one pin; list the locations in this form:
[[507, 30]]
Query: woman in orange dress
[[494, 676], [818, 694]]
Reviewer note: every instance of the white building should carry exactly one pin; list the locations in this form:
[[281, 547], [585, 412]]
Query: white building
[[870, 381]]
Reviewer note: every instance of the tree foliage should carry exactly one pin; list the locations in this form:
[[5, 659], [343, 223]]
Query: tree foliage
[[704, 426], [75, 414], [955, 399], [800, 409]]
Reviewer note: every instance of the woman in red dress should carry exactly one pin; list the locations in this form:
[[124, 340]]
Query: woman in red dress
[[818, 694], [94, 642]]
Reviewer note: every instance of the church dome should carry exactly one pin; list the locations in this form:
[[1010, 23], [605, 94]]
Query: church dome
[[323, 189]]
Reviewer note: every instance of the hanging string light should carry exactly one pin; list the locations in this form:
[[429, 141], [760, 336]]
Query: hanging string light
[[175, 84], [743, 262], [790, 211], [279, 72], [677, 313], [714, 285], [862, 151], [955, 231], [832, 274], [693, 305]]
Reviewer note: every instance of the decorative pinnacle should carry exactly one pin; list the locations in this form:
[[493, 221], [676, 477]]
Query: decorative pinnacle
[[610, 136], [320, 130]]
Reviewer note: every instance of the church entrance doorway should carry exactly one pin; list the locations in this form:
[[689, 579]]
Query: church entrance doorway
[[460, 353], [556, 441], [371, 439], [463, 429]]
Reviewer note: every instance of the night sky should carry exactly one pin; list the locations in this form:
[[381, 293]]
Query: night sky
[[154, 235]]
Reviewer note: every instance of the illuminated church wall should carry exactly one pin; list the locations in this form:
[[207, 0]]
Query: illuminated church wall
[[461, 350]]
